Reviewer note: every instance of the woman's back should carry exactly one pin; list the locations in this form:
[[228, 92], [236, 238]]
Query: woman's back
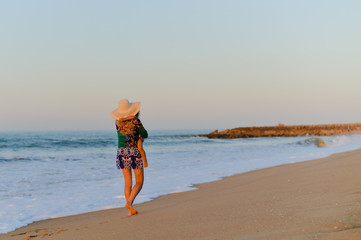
[[129, 130]]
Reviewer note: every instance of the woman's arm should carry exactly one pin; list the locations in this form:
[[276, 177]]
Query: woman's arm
[[140, 129]]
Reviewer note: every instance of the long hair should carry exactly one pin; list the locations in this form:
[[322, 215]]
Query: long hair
[[120, 123]]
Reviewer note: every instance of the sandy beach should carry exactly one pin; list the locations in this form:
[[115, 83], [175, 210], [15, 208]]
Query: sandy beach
[[317, 199]]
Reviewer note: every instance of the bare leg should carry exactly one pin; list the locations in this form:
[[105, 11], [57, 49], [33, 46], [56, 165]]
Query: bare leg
[[127, 173], [139, 178]]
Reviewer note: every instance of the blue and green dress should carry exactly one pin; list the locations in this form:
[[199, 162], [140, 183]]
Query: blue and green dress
[[129, 132]]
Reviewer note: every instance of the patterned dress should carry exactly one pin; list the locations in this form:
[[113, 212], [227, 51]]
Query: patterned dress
[[129, 131]]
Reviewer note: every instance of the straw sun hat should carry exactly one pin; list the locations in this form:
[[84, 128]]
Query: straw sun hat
[[125, 109]]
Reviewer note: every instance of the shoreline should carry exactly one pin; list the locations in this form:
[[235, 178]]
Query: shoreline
[[267, 203], [65, 190]]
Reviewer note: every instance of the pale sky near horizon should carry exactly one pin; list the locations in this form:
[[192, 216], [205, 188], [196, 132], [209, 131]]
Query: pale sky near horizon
[[193, 64]]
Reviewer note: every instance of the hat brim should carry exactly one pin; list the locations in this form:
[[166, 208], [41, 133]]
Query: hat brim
[[132, 111]]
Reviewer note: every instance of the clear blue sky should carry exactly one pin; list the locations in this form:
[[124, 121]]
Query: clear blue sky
[[192, 63]]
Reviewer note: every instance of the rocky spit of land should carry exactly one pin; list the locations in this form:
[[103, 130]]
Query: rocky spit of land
[[282, 130]]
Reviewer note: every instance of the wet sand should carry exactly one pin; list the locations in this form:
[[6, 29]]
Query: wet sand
[[317, 199]]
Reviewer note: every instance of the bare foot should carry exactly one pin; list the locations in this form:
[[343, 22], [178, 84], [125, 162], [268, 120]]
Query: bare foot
[[131, 209], [129, 213]]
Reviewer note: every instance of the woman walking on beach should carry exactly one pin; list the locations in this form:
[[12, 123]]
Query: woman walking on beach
[[130, 132]]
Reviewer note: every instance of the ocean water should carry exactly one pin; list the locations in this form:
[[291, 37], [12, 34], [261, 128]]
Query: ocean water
[[52, 174]]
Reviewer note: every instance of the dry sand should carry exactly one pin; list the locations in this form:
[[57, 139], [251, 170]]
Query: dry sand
[[318, 199]]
